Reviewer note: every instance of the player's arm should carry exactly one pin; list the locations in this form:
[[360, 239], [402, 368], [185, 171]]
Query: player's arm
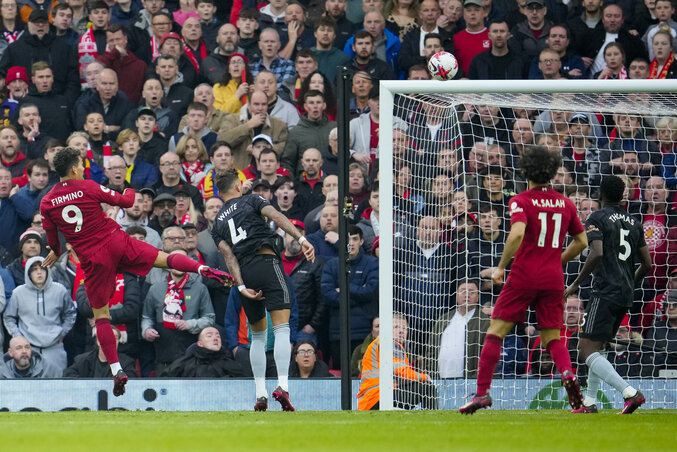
[[644, 263], [576, 247], [113, 198], [512, 244], [283, 222], [234, 269], [594, 258]]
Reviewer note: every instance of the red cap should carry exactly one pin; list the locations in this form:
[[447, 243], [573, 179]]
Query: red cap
[[16, 73], [297, 223], [170, 35], [626, 322], [246, 60]]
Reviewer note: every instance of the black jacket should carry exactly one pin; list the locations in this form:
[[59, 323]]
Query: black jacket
[[28, 49], [90, 102], [200, 362], [634, 47], [55, 112], [377, 69], [410, 53], [33, 149], [307, 280], [482, 67], [87, 365], [178, 97], [320, 370], [190, 75], [213, 67], [152, 150]]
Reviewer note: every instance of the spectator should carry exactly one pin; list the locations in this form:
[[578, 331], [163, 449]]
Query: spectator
[[413, 43], [306, 277], [93, 364], [330, 165], [221, 160], [285, 199], [363, 293], [39, 45], [499, 62], [626, 353], [484, 252], [21, 361], [550, 65], [329, 190], [152, 143], [311, 132], [325, 240], [581, 155], [204, 94], [30, 245], [42, 311], [662, 64], [458, 335], [11, 25], [205, 243], [272, 15], [31, 139], [279, 108], [268, 167], [107, 100], [589, 19], [123, 12], [305, 64], [310, 184], [115, 171], [215, 64], [336, 9], [305, 363], [16, 81], [165, 120], [93, 41], [666, 129], [30, 195], [128, 68], [359, 102], [231, 93], [365, 61], [298, 37], [319, 82], [139, 173], [474, 39], [360, 350], [488, 126], [269, 44], [662, 338], [558, 40], [614, 57], [195, 48], [452, 16], [170, 180], [239, 129], [364, 131], [401, 16], [135, 216], [207, 23], [664, 10], [329, 56], [174, 312], [532, 32], [54, 109], [207, 358], [11, 156], [177, 94], [13, 216], [386, 44], [592, 49], [369, 220], [196, 125], [80, 141]]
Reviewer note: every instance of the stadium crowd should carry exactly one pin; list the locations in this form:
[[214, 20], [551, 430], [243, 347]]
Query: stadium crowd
[[160, 95]]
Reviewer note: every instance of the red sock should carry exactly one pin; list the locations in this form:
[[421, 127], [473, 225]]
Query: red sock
[[489, 357], [560, 355], [182, 263], [104, 332]]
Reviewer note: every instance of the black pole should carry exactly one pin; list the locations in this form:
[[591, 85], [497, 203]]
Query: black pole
[[345, 209]]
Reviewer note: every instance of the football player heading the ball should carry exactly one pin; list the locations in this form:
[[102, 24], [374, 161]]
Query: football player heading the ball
[[540, 219], [253, 255]]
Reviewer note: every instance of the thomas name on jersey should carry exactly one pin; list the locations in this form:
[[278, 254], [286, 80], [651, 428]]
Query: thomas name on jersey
[[622, 217], [548, 203], [68, 197]]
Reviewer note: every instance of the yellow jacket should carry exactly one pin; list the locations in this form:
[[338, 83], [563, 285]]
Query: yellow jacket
[[224, 97]]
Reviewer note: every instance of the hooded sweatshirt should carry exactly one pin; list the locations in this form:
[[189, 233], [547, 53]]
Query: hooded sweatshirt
[[39, 368], [43, 316]]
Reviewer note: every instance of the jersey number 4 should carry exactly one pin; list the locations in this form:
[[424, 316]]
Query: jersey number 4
[[557, 220], [236, 235], [73, 215]]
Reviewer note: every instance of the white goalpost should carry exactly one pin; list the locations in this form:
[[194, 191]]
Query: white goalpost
[[443, 194]]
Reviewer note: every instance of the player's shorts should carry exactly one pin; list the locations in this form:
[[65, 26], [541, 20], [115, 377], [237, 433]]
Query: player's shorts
[[602, 318], [512, 305], [121, 253], [265, 273]]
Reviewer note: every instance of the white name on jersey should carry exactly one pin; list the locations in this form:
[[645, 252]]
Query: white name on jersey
[[559, 203], [67, 197]]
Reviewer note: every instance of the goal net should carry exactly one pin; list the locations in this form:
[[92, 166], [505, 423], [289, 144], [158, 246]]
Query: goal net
[[449, 164]]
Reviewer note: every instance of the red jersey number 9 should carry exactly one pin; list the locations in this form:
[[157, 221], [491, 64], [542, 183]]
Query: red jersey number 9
[[73, 215]]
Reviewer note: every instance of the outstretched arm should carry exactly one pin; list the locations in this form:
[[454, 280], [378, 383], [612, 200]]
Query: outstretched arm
[[512, 244], [283, 222], [234, 269]]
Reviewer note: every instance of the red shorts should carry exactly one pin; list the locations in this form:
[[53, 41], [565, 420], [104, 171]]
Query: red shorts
[[512, 305], [121, 253]]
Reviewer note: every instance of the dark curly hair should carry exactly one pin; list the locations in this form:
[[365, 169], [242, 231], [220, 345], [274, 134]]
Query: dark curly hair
[[65, 159], [224, 180], [612, 188], [540, 165], [329, 94]]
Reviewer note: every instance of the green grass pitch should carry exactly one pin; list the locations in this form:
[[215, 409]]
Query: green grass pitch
[[522, 431]]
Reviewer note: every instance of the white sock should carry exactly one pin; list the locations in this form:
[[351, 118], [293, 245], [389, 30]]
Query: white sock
[[604, 370], [257, 358], [282, 354], [593, 387], [115, 368], [629, 392]]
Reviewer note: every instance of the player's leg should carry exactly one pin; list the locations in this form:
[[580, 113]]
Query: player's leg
[[184, 263], [282, 353], [257, 359], [587, 347], [106, 337]]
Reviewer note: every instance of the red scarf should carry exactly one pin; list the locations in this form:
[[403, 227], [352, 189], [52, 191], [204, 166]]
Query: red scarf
[[87, 52], [621, 75], [107, 153], [11, 36], [193, 169], [185, 219], [175, 302], [154, 47], [191, 55], [653, 69]]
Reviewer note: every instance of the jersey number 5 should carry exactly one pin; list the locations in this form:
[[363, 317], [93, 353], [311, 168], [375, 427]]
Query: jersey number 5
[[73, 215], [557, 219], [236, 235], [625, 245]]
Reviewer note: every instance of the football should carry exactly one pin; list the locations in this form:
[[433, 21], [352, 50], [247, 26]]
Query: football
[[442, 66]]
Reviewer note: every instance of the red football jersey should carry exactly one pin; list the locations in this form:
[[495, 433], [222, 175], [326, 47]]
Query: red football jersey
[[74, 208], [548, 217]]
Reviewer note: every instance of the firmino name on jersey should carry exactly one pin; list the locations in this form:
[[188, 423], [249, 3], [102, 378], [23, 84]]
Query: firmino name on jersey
[[67, 197], [559, 203]]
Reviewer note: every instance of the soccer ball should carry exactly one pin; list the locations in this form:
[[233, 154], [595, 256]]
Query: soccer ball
[[443, 66]]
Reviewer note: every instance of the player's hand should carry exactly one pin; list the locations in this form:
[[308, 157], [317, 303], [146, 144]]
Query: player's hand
[[308, 251], [497, 276], [181, 325], [252, 294], [571, 290], [151, 334], [50, 260]]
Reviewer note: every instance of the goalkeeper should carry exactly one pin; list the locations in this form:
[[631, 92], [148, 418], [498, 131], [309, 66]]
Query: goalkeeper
[[410, 388]]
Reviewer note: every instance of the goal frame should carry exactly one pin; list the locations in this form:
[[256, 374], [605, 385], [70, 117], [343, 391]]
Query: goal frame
[[388, 90]]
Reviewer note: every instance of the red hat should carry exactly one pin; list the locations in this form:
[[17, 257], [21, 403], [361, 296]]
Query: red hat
[[170, 35], [297, 223], [246, 60], [626, 322], [16, 73]]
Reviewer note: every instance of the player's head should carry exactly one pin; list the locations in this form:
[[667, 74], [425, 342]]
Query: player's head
[[68, 163], [228, 180], [611, 189], [540, 165]]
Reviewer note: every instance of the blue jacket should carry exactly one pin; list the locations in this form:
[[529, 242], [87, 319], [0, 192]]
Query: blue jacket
[[322, 248], [14, 219], [144, 174], [393, 45], [669, 170], [363, 295], [232, 320], [8, 282], [29, 202]]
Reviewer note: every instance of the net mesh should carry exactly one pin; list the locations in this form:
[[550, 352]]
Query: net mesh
[[455, 168]]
